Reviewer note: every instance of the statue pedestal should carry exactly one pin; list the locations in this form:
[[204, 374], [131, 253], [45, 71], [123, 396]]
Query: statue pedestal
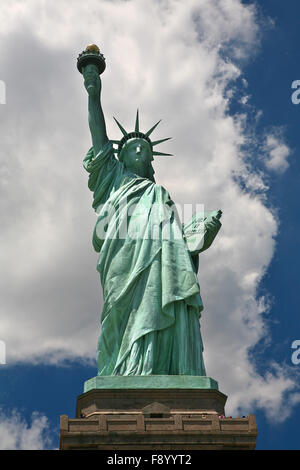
[[154, 413]]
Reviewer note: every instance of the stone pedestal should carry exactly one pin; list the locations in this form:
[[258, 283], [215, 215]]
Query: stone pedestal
[[135, 413]]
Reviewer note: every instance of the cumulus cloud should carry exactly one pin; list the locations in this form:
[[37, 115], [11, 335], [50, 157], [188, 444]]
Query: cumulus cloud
[[17, 434], [276, 153], [176, 61]]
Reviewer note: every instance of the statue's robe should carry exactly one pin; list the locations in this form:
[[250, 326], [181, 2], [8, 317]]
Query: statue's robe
[[152, 303]]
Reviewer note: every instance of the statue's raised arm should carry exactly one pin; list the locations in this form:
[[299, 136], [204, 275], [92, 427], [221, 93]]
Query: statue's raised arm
[[91, 63]]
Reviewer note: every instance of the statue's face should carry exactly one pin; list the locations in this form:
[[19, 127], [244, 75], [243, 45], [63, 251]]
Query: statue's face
[[137, 156]]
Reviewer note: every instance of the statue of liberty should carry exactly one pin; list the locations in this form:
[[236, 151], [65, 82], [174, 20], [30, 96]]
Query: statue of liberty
[[148, 270]]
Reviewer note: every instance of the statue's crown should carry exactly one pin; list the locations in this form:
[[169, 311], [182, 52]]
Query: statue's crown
[[137, 134]]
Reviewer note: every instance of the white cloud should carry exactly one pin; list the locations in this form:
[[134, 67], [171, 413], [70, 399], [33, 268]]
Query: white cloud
[[276, 153], [174, 60], [17, 434], [244, 99]]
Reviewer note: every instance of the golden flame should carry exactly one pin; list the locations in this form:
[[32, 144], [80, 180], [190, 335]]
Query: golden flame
[[92, 48]]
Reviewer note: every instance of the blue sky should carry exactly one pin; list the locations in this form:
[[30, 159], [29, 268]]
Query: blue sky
[[270, 77], [242, 90]]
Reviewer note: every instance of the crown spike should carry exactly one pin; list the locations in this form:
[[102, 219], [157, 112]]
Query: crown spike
[[138, 134], [152, 129], [163, 154], [156, 142], [137, 126], [120, 127]]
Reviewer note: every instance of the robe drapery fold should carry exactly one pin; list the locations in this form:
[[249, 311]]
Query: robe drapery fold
[[152, 303]]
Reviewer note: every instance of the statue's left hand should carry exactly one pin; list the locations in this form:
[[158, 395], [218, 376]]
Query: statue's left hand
[[213, 226]]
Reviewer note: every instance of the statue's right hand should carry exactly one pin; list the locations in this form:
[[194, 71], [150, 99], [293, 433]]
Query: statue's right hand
[[92, 80]]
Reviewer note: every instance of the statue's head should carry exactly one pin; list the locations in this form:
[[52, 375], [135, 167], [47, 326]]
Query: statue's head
[[135, 150], [136, 154]]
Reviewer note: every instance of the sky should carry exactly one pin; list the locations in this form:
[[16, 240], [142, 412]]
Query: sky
[[219, 74]]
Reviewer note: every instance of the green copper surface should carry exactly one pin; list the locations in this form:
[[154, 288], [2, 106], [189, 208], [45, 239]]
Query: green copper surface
[[151, 382], [147, 260]]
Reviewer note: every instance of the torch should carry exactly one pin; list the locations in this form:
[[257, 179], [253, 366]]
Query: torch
[[91, 55]]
